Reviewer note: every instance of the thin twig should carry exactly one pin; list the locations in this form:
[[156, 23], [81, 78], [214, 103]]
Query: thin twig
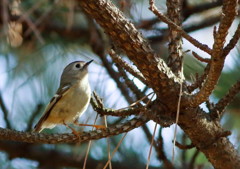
[[184, 147], [232, 42], [199, 80], [117, 59], [224, 102], [200, 58]]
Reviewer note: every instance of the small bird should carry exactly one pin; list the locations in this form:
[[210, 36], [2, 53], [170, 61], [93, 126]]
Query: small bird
[[71, 99]]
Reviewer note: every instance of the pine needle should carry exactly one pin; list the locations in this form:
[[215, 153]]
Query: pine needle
[[115, 150], [177, 117], [88, 148], [108, 144], [150, 151]]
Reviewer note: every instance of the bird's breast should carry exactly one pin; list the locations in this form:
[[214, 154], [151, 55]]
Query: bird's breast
[[74, 105]]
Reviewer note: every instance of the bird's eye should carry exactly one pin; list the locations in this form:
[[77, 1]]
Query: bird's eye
[[77, 65]]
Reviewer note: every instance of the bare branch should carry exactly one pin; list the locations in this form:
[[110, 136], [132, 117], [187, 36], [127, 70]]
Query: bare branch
[[138, 94], [97, 45], [121, 113], [232, 42], [184, 147], [31, 137], [205, 22], [131, 41], [117, 59], [200, 58], [199, 80], [229, 11], [175, 58], [224, 102], [163, 18]]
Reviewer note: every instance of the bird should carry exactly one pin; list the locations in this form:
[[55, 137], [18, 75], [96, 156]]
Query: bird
[[71, 99]]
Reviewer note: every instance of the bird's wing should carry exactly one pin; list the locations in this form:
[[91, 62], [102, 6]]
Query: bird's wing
[[60, 93]]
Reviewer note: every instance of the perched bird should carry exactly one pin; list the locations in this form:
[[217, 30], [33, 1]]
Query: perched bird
[[71, 99]]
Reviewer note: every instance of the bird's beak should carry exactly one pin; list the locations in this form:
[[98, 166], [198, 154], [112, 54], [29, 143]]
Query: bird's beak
[[86, 64]]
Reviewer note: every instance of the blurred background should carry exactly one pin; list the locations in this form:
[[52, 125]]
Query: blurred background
[[39, 38]]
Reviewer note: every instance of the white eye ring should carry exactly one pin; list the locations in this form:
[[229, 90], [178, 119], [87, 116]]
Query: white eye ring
[[77, 66]]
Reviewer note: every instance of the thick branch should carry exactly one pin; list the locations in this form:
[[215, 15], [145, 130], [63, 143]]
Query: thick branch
[[97, 45], [209, 138], [126, 36]]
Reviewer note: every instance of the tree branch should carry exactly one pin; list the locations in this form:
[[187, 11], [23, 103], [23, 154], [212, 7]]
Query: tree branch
[[175, 58], [232, 42], [121, 113], [126, 36], [117, 59], [229, 11], [224, 102], [32, 137], [170, 23]]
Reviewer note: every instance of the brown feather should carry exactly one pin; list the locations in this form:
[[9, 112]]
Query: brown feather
[[60, 93]]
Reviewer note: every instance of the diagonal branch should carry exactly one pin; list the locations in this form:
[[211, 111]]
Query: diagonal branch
[[117, 59], [130, 40], [199, 80], [224, 102], [97, 45], [131, 85], [232, 42]]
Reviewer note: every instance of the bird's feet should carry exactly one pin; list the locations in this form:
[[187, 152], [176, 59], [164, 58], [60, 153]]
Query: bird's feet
[[91, 125], [73, 130]]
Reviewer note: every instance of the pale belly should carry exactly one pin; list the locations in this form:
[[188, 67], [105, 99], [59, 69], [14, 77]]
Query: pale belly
[[74, 105]]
